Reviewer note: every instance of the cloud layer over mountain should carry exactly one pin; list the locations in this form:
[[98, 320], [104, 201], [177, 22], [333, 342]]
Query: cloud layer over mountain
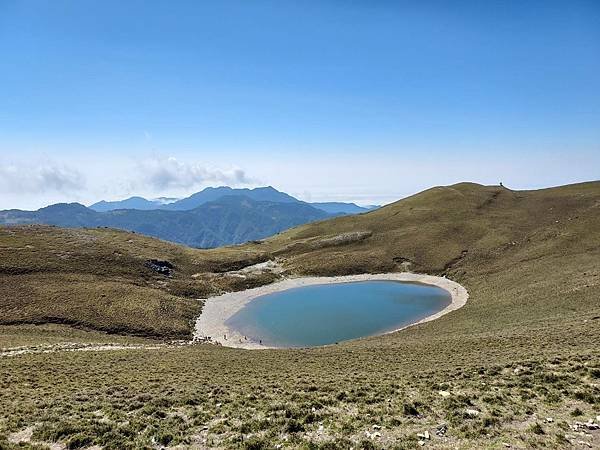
[[37, 178], [162, 174]]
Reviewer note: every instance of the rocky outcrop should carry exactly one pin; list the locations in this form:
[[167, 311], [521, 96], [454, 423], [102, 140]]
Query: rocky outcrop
[[161, 267]]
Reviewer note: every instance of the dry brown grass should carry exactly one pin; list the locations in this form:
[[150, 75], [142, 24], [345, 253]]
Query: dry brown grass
[[525, 347]]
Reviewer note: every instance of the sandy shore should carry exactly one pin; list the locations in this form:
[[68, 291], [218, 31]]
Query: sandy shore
[[217, 310]]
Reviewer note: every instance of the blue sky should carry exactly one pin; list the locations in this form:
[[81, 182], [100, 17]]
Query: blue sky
[[365, 101]]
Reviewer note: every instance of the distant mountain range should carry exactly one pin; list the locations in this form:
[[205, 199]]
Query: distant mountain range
[[266, 194], [210, 218]]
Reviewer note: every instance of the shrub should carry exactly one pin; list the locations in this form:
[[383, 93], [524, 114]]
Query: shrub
[[79, 440], [293, 426], [577, 412], [256, 443], [409, 409], [537, 429]]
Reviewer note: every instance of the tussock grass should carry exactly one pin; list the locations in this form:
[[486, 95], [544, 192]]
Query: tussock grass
[[524, 348]]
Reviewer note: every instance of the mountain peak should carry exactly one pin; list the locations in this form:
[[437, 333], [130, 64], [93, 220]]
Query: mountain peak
[[64, 207], [134, 202], [209, 194]]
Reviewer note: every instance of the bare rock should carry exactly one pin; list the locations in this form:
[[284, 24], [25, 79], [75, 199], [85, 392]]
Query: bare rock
[[161, 267], [591, 425], [424, 435], [472, 412]]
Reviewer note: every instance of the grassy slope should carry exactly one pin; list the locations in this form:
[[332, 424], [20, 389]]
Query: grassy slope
[[97, 279], [531, 261], [524, 347]]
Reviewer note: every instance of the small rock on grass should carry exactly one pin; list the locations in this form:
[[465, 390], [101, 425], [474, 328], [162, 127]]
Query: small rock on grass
[[424, 435], [441, 430], [472, 412], [590, 425], [374, 435]]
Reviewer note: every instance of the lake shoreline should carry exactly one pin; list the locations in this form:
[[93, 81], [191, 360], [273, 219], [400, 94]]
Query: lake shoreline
[[217, 310]]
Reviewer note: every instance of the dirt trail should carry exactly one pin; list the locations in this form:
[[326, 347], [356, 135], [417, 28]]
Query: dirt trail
[[79, 347]]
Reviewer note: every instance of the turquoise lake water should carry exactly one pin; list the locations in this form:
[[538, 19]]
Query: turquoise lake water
[[329, 313]]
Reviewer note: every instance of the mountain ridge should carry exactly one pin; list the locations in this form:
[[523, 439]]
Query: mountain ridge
[[229, 220], [266, 193]]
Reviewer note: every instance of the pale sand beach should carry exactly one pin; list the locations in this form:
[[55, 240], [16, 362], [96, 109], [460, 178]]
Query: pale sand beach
[[217, 310]]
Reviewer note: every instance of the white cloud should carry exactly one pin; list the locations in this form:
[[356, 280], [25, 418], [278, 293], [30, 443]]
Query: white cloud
[[33, 178], [164, 174]]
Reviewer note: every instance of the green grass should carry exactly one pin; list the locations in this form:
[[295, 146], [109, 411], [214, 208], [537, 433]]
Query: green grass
[[97, 280], [227, 398], [51, 334], [524, 348]]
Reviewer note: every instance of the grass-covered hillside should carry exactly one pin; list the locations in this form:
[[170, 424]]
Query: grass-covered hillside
[[107, 280], [518, 366]]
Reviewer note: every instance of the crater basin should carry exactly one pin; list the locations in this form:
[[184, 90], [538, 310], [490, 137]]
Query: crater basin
[[323, 314]]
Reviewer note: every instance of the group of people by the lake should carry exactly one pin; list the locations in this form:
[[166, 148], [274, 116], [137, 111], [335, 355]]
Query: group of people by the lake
[[245, 339]]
